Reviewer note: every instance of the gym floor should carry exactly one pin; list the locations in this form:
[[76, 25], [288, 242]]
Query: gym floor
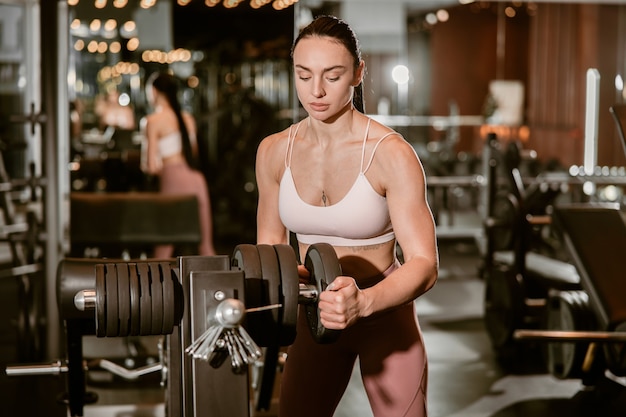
[[465, 378]]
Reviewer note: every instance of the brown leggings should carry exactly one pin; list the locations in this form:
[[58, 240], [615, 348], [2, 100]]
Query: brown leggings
[[393, 365]]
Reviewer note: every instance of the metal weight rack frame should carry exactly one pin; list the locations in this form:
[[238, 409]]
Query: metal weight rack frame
[[204, 308]]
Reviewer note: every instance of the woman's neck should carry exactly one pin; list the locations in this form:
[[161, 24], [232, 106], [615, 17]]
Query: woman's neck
[[160, 104], [340, 127]]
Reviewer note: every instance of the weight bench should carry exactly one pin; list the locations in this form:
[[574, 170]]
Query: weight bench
[[595, 235], [133, 222]]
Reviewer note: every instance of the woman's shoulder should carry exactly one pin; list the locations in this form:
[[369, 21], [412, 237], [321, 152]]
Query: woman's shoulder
[[382, 133], [390, 144], [275, 140]]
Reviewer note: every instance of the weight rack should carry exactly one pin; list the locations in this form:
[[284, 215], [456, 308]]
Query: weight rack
[[208, 309]]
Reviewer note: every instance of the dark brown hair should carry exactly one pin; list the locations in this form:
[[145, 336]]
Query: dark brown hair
[[168, 85]]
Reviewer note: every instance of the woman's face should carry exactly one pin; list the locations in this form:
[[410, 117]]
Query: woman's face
[[324, 76]]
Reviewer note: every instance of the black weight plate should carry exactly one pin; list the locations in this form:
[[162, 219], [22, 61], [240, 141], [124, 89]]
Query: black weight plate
[[123, 298], [616, 354], [156, 292], [268, 320], [246, 258], [504, 215], [135, 299], [110, 274], [563, 357], [145, 302], [101, 316], [323, 265], [504, 305], [169, 310], [290, 283]]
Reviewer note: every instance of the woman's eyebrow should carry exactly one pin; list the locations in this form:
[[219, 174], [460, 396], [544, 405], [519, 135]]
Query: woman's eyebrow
[[334, 67]]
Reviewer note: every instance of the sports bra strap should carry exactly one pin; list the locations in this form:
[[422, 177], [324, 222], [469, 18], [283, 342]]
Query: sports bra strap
[[290, 140], [363, 171]]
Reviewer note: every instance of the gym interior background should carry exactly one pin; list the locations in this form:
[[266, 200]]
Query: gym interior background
[[515, 109]]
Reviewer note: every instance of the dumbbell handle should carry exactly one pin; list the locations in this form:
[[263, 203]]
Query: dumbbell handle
[[307, 294]]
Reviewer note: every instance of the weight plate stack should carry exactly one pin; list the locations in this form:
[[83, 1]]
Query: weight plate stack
[[568, 311]]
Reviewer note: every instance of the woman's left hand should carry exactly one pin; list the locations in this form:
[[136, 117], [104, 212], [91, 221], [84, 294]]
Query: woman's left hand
[[340, 303]]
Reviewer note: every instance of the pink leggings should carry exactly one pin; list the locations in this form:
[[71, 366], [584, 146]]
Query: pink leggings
[[392, 359], [178, 178]]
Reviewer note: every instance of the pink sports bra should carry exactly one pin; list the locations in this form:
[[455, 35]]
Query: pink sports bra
[[361, 218]]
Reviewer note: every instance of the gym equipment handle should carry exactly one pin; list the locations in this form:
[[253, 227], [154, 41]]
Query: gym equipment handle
[[570, 336], [54, 368]]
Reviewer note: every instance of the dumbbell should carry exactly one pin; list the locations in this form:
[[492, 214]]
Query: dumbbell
[[271, 279], [145, 298]]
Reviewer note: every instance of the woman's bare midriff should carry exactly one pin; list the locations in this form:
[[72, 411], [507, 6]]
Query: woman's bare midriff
[[362, 262]]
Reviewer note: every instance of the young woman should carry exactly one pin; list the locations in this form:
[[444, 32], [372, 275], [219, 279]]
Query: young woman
[[171, 154], [340, 177]]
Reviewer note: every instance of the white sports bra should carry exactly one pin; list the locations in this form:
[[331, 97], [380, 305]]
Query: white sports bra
[[360, 218], [171, 144]]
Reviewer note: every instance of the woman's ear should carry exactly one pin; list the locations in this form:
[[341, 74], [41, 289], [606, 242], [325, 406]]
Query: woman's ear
[[359, 73]]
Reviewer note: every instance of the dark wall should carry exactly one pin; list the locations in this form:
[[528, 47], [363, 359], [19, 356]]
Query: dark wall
[[550, 49], [465, 59]]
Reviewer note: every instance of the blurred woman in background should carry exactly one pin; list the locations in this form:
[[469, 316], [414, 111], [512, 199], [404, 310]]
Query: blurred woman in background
[[172, 155]]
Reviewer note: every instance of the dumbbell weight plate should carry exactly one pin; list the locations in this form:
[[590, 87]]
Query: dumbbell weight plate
[[504, 306], [568, 310], [123, 298], [113, 327], [288, 265], [561, 316], [270, 319], [135, 297], [101, 316], [169, 307], [145, 302], [615, 354], [321, 261], [246, 258], [156, 292], [504, 214]]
